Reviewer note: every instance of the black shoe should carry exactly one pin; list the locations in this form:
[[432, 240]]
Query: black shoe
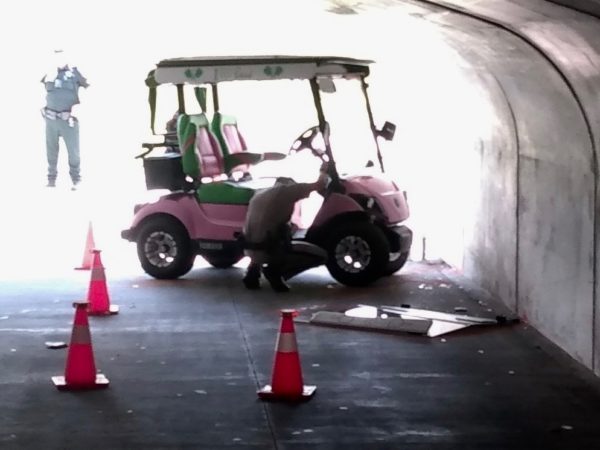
[[51, 183], [275, 280], [251, 283]]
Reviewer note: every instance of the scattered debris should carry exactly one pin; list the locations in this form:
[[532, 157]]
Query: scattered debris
[[460, 309], [55, 345], [402, 319], [480, 351], [354, 320], [200, 391], [566, 427], [316, 365], [343, 408], [445, 286], [511, 372]]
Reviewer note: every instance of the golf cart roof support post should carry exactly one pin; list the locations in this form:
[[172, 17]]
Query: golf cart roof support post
[[180, 99], [215, 96], [365, 86], [314, 85]]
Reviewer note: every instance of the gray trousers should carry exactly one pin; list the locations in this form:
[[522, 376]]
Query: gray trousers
[[60, 128]]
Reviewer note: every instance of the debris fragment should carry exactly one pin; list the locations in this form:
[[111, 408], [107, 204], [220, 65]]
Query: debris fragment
[[460, 309], [55, 345], [200, 391]]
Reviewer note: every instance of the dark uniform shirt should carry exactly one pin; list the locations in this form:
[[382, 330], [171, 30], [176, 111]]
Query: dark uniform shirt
[[61, 92]]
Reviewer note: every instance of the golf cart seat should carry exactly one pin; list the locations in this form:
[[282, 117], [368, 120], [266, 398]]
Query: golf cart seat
[[236, 157], [232, 142], [202, 160]]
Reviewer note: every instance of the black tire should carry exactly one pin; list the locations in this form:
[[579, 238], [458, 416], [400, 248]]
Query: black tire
[[395, 265], [358, 253], [223, 261], [175, 258]]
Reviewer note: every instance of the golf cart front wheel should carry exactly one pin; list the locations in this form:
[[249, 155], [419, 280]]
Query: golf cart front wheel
[[395, 264], [164, 248], [358, 253]]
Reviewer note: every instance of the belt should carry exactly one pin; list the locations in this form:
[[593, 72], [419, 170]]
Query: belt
[[53, 115]]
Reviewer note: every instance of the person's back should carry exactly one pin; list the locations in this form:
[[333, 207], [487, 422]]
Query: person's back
[[267, 235], [269, 210]]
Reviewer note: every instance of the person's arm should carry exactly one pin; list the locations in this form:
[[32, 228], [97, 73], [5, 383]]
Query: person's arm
[[81, 80], [298, 191]]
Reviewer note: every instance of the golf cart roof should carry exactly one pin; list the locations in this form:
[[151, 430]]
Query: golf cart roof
[[203, 70]]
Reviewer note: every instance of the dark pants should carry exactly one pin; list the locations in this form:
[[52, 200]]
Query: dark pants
[[299, 256]]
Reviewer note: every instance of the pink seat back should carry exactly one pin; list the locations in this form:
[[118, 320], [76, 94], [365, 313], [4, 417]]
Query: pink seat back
[[209, 153]]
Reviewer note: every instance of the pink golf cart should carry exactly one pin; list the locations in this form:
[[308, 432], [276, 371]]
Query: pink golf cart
[[209, 176]]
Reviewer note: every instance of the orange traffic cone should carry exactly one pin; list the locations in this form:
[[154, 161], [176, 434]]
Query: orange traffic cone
[[80, 371], [98, 300], [86, 263], [286, 383]]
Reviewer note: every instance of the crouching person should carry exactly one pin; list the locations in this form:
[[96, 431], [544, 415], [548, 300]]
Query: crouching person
[[268, 237]]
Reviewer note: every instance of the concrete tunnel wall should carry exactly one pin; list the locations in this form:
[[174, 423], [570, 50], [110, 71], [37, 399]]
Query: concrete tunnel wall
[[530, 239]]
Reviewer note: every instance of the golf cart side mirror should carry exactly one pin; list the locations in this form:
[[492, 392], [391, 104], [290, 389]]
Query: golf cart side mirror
[[387, 131]]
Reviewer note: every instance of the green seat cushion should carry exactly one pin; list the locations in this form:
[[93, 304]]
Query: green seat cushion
[[224, 192]]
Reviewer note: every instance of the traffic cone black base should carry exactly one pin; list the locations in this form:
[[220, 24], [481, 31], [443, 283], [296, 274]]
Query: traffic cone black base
[[61, 384], [267, 393], [112, 309]]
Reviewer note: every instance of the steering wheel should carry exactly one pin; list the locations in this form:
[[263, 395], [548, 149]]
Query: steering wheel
[[306, 141]]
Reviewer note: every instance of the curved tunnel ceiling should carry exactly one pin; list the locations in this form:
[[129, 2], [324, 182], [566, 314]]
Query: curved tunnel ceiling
[[531, 233]]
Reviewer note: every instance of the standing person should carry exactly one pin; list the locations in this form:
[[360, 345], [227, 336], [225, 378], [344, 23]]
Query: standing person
[[62, 84], [267, 234]]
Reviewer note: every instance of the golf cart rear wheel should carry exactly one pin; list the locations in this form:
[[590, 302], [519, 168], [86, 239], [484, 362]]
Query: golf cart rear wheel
[[222, 261], [358, 253], [395, 265], [164, 248]]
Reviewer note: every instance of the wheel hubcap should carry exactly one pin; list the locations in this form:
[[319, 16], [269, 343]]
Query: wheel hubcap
[[160, 249], [353, 254]]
